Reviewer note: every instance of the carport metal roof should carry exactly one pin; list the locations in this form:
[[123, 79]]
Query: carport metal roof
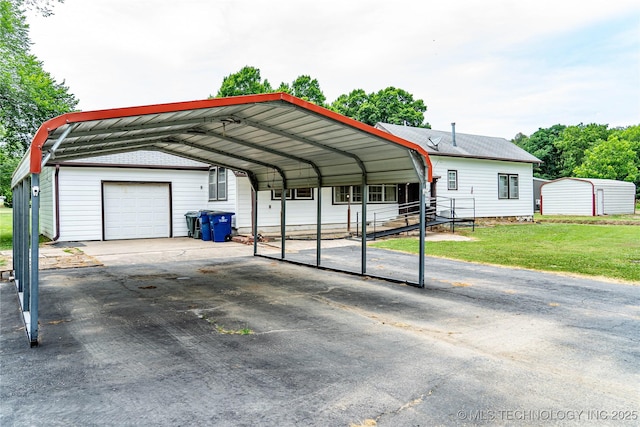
[[278, 140]]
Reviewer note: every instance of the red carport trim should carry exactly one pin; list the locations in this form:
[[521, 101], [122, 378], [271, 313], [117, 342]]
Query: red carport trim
[[84, 116]]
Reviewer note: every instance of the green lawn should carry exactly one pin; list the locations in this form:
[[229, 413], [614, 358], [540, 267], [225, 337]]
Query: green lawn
[[6, 227], [6, 231], [597, 250]]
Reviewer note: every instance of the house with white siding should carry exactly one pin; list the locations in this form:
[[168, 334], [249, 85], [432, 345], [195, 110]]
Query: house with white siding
[[489, 174], [146, 194]]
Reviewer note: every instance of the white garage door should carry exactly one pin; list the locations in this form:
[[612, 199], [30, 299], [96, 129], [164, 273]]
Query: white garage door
[[136, 210]]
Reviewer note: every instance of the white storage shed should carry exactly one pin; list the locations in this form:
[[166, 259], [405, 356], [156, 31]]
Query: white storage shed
[[587, 196]]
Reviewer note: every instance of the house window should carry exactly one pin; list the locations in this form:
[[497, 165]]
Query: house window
[[376, 194], [347, 193], [508, 186], [218, 183], [303, 193], [387, 193], [452, 180], [293, 194]]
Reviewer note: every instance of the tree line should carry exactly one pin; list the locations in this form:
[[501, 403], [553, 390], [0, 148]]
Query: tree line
[[588, 151], [29, 96], [389, 105], [585, 151]]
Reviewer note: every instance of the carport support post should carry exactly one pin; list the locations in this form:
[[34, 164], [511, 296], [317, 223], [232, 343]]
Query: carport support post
[[423, 189], [16, 233], [255, 221], [17, 254], [319, 226], [25, 278], [363, 251], [35, 241], [283, 216]]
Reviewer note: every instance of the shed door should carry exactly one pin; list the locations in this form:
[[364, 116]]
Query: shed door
[[136, 210], [599, 201]]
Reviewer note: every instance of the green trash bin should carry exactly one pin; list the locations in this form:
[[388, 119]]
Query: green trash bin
[[192, 219]]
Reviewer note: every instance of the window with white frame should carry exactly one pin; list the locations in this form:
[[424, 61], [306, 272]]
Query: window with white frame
[[347, 193], [508, 186], [293, 194], [218, 183], [452, 180], [386, 193]]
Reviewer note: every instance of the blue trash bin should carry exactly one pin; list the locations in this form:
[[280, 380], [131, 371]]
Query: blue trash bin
[[205, 226], [221, 225]]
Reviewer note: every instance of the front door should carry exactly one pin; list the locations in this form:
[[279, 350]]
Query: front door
[[409, 197]]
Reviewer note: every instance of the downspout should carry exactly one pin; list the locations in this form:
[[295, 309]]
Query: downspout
[[56, 200], [50, 156]]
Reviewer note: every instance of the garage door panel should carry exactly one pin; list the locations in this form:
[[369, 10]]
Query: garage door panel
[[136, 210]]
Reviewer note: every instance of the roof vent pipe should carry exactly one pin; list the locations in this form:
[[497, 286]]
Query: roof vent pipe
[[453, 133]]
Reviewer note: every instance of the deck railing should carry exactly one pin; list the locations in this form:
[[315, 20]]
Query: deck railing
[[438, 211]]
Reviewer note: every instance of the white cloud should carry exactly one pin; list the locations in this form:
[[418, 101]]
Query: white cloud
[[495, 67]]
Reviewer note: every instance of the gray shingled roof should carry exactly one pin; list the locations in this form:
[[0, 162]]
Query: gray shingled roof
[[440, 143]]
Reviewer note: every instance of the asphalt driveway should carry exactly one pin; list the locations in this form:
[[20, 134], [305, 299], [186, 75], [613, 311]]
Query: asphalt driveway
[[153, 335]]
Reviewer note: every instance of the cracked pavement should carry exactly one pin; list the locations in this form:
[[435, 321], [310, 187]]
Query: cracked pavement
[[134, 342]]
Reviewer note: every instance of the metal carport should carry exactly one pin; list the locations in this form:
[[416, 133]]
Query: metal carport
[[281, 142]]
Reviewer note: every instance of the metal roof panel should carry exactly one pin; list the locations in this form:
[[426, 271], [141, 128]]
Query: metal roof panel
[[267, 135]]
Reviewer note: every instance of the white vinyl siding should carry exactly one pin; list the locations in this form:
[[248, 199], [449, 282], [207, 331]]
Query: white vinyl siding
[[47, 199], [81, 202], [576, 196], [480, 182], [618, 196], [302, 214]]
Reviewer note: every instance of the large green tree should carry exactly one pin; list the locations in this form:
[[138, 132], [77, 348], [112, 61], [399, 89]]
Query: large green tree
[[306, 88], [541, 144], [574, 141], [28, 94], [247, 81], [390, 105], [614, 158]]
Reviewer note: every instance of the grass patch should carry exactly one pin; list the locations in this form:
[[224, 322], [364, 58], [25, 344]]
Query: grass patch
[[222, 330], [243, 331], [6, 228], [596, 250], [602, 219]]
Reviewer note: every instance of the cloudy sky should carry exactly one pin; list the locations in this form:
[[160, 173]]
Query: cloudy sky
[[495, 67]]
